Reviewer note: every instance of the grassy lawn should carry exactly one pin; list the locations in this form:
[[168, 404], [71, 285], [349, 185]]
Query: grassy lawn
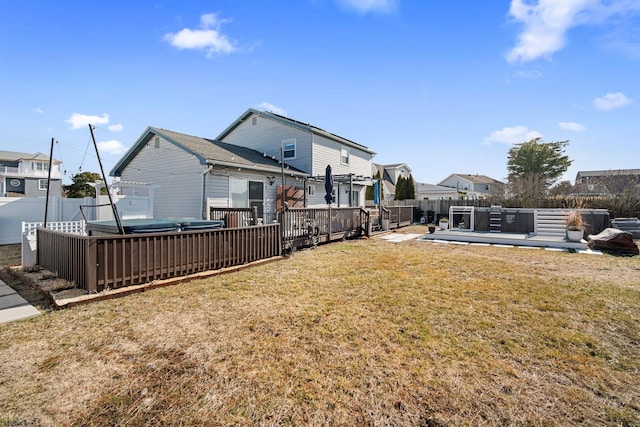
[[362, 332]]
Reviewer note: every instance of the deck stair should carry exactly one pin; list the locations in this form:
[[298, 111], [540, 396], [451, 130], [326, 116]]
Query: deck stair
[[551, 222], [495, 219]]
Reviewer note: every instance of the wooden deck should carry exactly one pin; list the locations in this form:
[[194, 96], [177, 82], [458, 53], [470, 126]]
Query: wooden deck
[[513, 239]]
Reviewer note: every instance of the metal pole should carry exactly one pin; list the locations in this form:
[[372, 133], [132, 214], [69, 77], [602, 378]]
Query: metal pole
[[282, 171], [46, 203], [113, 207]]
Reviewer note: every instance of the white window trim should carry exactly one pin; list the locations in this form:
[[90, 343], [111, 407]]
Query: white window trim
[[311, 191], [348, 156], [42, 184], [295, 148]]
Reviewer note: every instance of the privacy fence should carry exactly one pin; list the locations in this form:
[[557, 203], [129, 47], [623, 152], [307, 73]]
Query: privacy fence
[[96, 263]]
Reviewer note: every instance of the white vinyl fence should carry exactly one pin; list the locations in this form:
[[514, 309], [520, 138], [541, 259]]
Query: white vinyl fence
[[16, 210]]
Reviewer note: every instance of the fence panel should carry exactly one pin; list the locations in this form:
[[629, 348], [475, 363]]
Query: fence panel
[[96, 263]]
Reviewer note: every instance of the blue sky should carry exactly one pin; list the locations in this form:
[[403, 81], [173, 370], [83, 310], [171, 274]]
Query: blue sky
[[443, 86]]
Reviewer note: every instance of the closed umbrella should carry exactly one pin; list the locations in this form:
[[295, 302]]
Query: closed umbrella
[[328, 185]]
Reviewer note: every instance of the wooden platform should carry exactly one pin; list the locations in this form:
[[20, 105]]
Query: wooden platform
[[514, 239]]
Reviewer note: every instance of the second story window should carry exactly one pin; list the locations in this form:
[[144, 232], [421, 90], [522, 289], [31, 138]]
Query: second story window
[[344, 156], [289, 147], [41, 166]]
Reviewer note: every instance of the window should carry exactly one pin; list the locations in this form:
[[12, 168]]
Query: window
[[312, 190], [40, 166], [254, 121], [355, 198], [42, 184], [344, 156], [244, 194], [156, 142], [289, 148], [239, 193]]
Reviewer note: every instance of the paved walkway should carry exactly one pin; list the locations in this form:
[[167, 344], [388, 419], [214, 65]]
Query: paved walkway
[[13, 306]]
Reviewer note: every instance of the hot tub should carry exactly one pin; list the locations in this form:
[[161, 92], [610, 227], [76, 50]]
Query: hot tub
[[149, 225]]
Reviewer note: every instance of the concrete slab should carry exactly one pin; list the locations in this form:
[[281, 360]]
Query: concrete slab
[[11, 300], [13, 306], [18, 313], [6, 289]]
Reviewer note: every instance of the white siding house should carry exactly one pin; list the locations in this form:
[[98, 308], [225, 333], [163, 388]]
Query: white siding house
[[473, 186], [309, 149], [25, 175], [189, 174]]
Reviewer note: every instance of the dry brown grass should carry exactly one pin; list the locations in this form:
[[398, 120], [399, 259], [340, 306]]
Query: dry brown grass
[[361, 332]]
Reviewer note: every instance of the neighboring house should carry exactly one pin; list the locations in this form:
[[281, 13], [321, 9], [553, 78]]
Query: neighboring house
[[606, 182], [389, 175], [189, 174], [307, 148], [435, 192], [25, 175], [473, 186]]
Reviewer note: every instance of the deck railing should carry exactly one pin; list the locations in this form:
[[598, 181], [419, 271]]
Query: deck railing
[[96, 263], [398, 216], [302, 226], [235, 217]]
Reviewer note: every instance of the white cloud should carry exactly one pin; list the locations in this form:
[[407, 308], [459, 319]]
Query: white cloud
[[208, 37], [546, 23], [38, 110], [365, 6], [512, 135], [111, 147], [115, 128], [265, 106], [572, 126], [611, 101], [78, 120]]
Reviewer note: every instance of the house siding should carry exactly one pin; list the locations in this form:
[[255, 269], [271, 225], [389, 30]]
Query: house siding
[[327, 152], [267, 135], [177, 176]]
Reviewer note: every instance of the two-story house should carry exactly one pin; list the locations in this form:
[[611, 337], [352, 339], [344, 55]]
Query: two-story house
[[25, 175], [242, 167], [307, 148], [473, 186]]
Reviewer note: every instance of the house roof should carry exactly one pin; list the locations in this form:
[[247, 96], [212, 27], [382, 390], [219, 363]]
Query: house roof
[[475, 178], [295, 123], [610, 172], [208, 151], [15, 156]]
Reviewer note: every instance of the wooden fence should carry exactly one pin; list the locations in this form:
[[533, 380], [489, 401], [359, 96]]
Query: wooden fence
[[96, 263]]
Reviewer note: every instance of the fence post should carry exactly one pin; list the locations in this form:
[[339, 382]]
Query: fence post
[[90, 275], [254, 215]]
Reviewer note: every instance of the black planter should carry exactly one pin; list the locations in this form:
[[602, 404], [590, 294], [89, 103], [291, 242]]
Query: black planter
[[432, 228]]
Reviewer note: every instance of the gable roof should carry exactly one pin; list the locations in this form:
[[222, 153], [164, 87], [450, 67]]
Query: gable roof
[[207, 151], [475, 179], [294, 123], [15, 156]]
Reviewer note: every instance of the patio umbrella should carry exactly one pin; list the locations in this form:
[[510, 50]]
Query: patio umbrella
[[328, 185]]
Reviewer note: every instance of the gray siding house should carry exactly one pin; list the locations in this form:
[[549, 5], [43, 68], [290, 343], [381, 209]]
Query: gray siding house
[[25, 175], [190, 174], [309, 149]]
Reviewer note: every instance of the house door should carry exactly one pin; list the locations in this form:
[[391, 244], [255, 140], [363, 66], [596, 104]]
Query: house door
[[256, 196]]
